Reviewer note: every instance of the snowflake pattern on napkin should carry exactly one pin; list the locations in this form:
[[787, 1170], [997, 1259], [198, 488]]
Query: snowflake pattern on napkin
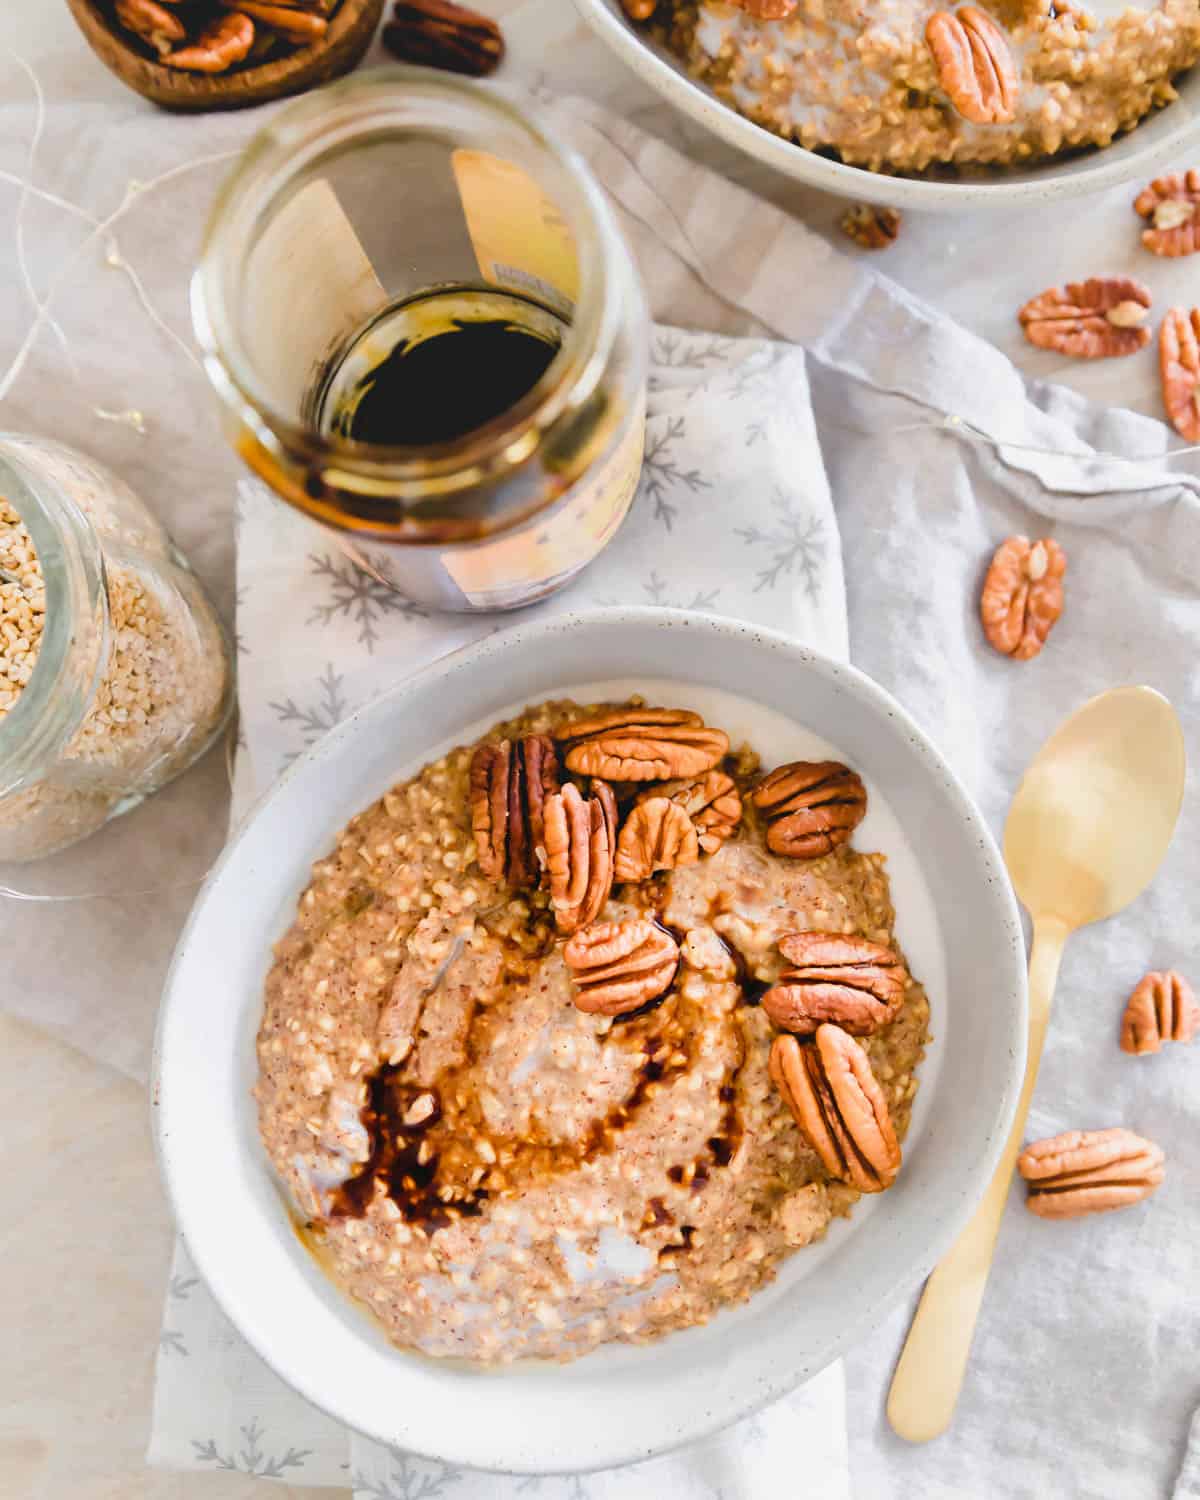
[[732, 515]]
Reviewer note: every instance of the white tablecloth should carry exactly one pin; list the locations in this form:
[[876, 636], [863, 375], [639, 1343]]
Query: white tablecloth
[[1094, 1362]]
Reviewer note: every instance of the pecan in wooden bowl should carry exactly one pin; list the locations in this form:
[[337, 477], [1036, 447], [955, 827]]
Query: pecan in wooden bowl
[[194, 55]]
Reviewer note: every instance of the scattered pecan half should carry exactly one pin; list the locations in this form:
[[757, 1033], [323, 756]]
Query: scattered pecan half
[[643, 744], [811, 807], [1172, 205], [1022, 595], [218, 46], [157, 26], [1179, 365], [712, 801], [848, 980], [295, 22], [975, 65], [657, 835], [1162, 1008], [836, 1101], [441, 34], [510, 781], [1089, 1171], [1101, 318], [871, 227], [619, 967], [580, 841]]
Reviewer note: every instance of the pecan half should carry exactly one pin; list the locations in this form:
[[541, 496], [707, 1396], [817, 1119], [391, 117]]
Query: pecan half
[[639, 10], [848, 980], [580, 837], [1172, 205], [218, 46], [292, 21], [1102, 318], [1022, 595], [619, 967], [1089, 1171], [975, 65], [870, 226], [657, 835], [811, 807], [1179, 365], [643, 744], [1162, 1008], [440, 34], [509, 783], [154, 24], [839, 1107], [712, 801]]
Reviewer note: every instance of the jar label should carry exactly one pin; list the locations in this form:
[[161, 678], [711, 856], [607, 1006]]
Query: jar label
[[520, 238], [501, 573]]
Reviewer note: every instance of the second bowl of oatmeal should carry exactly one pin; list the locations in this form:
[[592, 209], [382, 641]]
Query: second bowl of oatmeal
[[618, 1016], [927, 107]]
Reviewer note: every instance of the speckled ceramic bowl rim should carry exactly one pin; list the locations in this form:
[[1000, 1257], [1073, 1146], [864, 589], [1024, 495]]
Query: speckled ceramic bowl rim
[[528, 1439], [1016, 188]]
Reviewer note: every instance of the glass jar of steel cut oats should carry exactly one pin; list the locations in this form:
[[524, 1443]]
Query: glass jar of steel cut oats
[[114, 669]]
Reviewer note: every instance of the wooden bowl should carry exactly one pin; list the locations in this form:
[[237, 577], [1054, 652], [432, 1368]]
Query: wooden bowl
[[350, 31]]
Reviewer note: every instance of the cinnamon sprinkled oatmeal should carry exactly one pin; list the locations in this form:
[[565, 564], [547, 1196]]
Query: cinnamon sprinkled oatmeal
[[862, 78], [494, 1171]]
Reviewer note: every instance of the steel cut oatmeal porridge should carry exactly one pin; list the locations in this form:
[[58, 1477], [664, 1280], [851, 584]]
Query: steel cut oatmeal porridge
[[583, 1029], [902, 84]]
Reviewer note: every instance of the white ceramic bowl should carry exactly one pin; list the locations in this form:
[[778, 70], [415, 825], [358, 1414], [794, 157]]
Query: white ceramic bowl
[[1169, 137], [957, 920]]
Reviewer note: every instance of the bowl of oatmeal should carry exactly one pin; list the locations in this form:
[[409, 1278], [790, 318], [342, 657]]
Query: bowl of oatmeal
[[618, 1016], [927, 107]]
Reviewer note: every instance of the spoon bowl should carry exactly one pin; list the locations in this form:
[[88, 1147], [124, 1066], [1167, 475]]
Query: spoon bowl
[[1096, 809]]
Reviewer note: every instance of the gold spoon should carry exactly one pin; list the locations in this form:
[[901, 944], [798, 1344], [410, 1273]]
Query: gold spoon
[[1086, 833]]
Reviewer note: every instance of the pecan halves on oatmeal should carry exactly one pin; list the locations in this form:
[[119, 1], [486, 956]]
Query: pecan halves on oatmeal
[[839, 1107], [1179, 365], [857, 984], [1102, 318], [712, 801], [619, 967], [157, 26], [1172, 207], [657, 835], [441, 34], [643, 744], [975, 65], [580, 837], [1089, 1171], [1162, 1008], [218, 46], [295, 22], [1022, 595], [811, 807], [510, 781]]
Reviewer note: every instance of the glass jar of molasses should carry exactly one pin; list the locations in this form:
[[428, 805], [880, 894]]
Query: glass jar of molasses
[[428, 335]]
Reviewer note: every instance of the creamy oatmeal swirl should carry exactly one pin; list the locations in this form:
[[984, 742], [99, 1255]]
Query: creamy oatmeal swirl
[[582, 1030], [900, 85]]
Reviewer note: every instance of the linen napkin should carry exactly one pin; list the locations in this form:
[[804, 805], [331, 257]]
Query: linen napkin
[[733, 514]]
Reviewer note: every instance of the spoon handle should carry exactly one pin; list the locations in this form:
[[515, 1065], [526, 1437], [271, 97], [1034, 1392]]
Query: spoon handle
[[933, 1361]]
